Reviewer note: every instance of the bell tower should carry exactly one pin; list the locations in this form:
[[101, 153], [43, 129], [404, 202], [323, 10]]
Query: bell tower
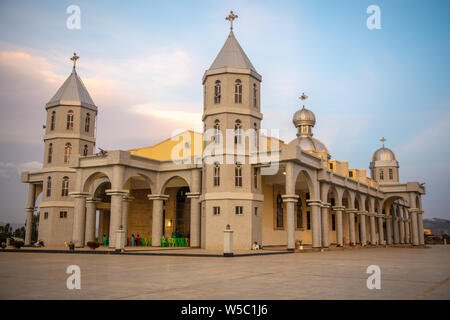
[[232, 118], [69, 130]]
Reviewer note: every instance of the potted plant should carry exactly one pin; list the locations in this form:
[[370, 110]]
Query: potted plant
[[298, 245], [93, 244]]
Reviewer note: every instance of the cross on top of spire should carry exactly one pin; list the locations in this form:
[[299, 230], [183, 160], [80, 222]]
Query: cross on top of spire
[[230, 18], [383, 140], [303, 97], [74, 59]]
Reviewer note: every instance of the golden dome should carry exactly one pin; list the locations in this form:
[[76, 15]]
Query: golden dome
[[304, 117], [383, 154]]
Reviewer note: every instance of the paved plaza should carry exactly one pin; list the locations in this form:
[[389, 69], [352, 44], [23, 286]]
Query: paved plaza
[[406, 273]]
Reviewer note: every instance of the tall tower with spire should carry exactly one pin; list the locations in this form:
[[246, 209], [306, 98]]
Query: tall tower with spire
[[69, 130], [232, 187]]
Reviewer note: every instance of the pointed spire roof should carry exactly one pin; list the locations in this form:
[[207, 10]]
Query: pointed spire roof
[[72, 92], [232, 55]]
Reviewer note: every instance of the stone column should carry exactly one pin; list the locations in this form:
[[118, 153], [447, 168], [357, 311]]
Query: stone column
[[29, 209], [373, 237], [380, 229], [91, 208], [195, 219], [157, 217], [339, 226], [324, 223], [389, 229], [290, 201], [401, 228], [362, 216], [351, 225], [29, 226], [125, 210], [79, 217], [315, 220], [115, 219], [414, 227], [420, 227], [396, 225], [407, 233]]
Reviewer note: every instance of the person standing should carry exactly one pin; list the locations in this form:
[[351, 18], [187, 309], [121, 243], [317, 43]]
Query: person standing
[[132, 240]]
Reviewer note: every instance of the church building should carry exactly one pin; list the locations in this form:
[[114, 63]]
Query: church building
[[268, 191]]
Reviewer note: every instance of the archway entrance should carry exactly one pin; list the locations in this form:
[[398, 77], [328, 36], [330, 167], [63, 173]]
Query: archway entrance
[[177, 209]]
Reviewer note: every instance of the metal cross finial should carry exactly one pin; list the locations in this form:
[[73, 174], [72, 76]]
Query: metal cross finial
[[74, 59], [383, 140], [303, 97], [230, 18]]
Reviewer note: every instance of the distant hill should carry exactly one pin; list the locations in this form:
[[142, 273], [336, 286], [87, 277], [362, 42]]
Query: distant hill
[[437, 226]]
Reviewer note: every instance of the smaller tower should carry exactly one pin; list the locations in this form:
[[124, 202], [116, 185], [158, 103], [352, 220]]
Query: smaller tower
[[304, 120], [384, 166]]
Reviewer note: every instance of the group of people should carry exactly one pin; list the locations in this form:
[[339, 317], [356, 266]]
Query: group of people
[[134, 241], [256, 246]]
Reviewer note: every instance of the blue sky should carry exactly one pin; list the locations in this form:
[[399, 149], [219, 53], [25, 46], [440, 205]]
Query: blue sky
[[143, 64]]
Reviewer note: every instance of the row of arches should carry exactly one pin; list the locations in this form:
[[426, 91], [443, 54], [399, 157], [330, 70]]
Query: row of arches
[[67, 152], [70, 121], [237, 92], [238, 132]]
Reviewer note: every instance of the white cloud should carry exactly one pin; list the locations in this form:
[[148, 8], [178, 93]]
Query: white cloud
[[9, 169], [172, 114]]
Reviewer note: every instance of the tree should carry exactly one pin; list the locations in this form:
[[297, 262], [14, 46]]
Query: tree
[[19, 233]]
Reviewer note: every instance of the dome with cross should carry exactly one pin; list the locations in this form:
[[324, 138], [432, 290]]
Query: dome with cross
[[384, 154]]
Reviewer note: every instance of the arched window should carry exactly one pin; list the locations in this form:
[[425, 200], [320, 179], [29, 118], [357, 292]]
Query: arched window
[[217, 175], [52, 121], [69, 120], [381, 174], [67, 152], [391, 174], [50, 153], [217, 132], [237, 132], [255, 177], [49, 186], [238, 176], [238, 91], [217, 92], [85, 150], [279, 212], [87, 122], [255, 92], [65, 187]]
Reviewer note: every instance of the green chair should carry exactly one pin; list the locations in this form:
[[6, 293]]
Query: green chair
[[149, 242], [186, 242], [163, 242]]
